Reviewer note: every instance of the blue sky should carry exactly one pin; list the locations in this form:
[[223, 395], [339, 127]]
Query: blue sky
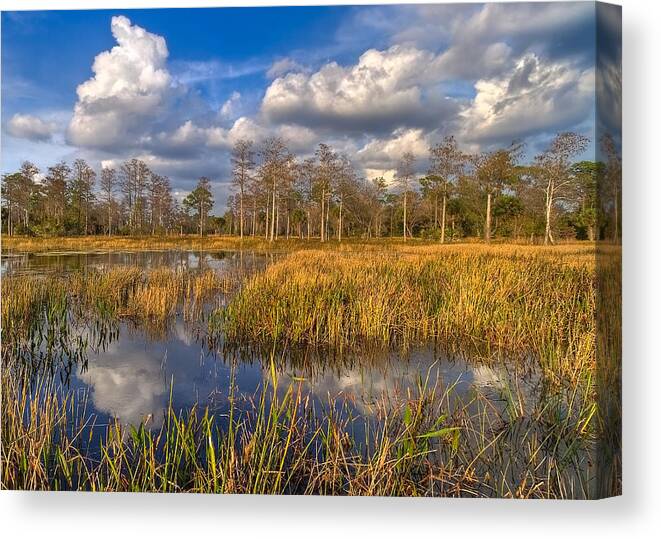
[[177, 87]]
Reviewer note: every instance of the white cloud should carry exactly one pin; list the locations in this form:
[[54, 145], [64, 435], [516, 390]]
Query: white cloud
[[230, 107], [30, 127], [384, 90], [535, 96], [495, 20], [130, 84], [380, 156], [297, 137]]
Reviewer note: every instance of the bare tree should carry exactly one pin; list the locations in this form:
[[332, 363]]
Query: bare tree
[[55, 192], [108, 182], [492, 172], [276, 172], [447, 164], [82, 192], [243, 162], [135, 175], [160, 200], [345, 183], [325, 172], [404, 178], [554, 173]]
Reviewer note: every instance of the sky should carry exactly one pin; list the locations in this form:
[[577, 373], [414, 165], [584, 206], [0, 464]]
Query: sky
[[178, 87]]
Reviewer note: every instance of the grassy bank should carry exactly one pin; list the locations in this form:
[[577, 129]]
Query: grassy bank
[[498, 299], [232, 243]]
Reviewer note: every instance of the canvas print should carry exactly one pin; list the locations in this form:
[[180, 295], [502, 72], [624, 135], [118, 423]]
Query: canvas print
[[324, 250]]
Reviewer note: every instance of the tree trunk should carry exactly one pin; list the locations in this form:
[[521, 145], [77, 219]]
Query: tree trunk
[[487, 224], [273, 216], [404, 215], [327, 230], [266, 220], [443, 218], [241, 213], [277, 219], [549, 204], [321, 224], [339, 228], [254, 216]]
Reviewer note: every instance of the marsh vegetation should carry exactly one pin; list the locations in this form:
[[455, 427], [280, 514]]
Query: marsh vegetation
[[377, 368]]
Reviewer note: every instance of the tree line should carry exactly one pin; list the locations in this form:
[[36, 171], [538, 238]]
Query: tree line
[[74, 200], [489, 194], [276, 194]]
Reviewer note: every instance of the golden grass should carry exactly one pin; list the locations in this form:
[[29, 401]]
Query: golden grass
[[30, 301], [523, 300], [232, 243]]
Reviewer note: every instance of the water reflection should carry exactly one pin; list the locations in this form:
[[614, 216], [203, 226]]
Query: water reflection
[[137, 372], [43, 263], [134, 378]]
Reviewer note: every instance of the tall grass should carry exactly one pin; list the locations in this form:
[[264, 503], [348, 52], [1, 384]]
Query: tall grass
[[128, 291], [278, 443], [533, 303], [51, 321], [521, 304]]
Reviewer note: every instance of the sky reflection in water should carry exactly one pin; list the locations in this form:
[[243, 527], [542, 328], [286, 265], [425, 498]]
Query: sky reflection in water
[[132, 377]]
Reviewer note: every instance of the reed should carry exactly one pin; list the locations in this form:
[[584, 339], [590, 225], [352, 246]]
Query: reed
[[521, 301], [276, 442], [524, 304], [52, 321], [122, 291]]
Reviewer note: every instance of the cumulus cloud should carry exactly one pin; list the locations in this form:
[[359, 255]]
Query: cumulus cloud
[[381, 155], [535, 96], [477, 41], [190, 137], [130, 83], [231, 106], [30, 127], [485, 73], [384, 90]]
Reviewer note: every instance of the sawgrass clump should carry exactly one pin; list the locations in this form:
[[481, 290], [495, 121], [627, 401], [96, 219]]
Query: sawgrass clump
[[522, 304]]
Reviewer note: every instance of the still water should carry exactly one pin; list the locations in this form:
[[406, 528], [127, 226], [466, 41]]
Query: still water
[[134, 374]]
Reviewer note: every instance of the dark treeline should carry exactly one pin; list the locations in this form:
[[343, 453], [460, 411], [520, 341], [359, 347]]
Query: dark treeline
[[275, 194]]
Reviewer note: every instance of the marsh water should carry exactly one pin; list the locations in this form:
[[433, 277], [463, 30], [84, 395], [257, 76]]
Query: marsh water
[[135, 372]]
